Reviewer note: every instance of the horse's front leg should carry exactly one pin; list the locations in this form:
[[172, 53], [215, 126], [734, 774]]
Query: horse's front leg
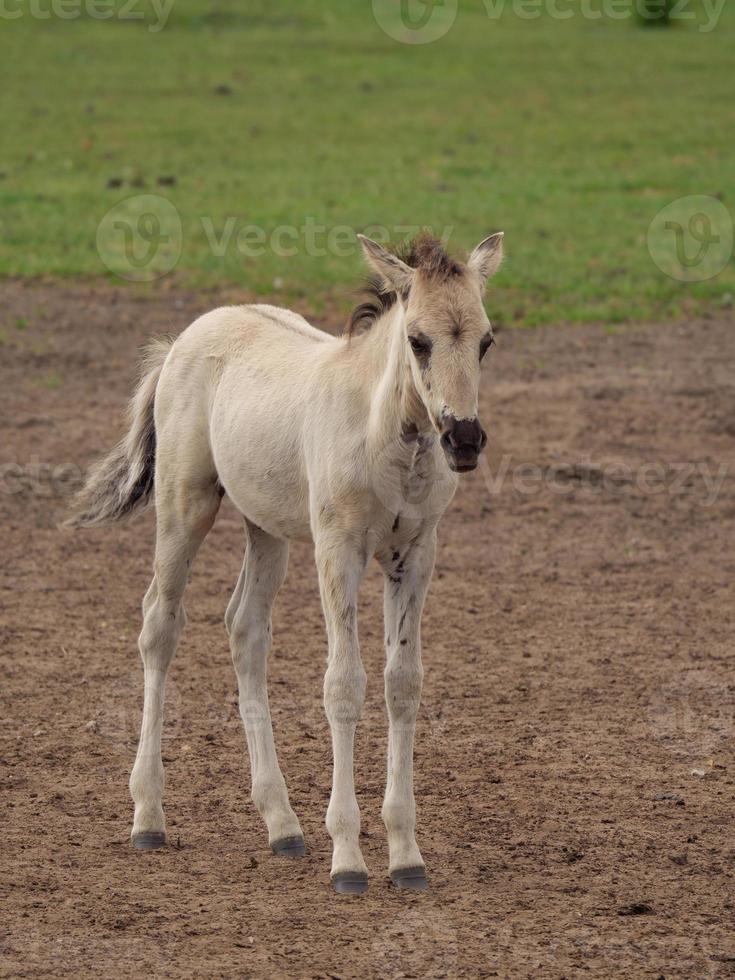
[[341, 567], [407, 577]]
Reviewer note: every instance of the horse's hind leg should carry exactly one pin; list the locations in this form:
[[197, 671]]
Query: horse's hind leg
[[186, 508], [248, 621]]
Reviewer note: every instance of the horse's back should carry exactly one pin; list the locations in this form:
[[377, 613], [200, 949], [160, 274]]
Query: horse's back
[[250, 369], [244, 355], [231, 330]]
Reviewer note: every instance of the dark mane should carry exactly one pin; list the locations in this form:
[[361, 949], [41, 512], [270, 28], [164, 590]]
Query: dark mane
[[426, 254]]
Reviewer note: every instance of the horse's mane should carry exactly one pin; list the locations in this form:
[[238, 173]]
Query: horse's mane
[[424, 253]]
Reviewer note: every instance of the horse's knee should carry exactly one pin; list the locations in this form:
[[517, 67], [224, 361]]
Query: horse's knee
[[250, 642], [403, 683], [344, 693], [399, 812]]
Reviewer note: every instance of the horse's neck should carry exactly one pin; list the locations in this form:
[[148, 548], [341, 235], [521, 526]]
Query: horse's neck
[[396, 407]]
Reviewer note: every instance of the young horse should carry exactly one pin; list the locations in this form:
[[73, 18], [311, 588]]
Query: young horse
[[353, 442]]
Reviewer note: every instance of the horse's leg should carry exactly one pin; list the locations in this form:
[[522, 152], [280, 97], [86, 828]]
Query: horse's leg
[[185, 512], [340, 570], [248, 621], [407, 577]]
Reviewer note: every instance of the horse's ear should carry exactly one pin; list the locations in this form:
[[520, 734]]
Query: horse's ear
[[395, 275], [486, 258]]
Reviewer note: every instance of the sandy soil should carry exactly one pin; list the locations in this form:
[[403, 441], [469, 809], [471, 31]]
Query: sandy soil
[[575, 747]]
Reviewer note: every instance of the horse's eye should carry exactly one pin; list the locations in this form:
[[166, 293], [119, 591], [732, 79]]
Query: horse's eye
[[420, 345], [485, 345]]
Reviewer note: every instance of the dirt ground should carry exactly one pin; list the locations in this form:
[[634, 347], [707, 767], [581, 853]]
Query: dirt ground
[[575, 745]]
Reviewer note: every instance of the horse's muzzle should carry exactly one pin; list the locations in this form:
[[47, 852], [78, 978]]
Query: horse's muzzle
[[462, 441]]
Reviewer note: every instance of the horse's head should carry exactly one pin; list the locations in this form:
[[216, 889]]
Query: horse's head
[[447, 333]]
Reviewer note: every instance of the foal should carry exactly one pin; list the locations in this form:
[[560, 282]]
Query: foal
[[353, 442]]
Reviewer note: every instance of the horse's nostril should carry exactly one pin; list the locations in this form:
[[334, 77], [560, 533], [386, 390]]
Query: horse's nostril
[[463, 436]]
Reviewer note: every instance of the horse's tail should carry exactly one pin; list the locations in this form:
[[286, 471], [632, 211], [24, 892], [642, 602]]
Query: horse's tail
[[121, 484]]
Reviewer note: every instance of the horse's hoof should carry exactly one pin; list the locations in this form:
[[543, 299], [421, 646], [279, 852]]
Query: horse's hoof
[[290, 847], [413, 879], [350, 882], [149, 840]]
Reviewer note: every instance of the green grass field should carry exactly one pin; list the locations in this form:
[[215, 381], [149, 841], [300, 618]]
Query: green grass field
[[570, 135]]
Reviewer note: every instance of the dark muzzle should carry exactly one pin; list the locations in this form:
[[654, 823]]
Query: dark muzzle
[[462, 441]]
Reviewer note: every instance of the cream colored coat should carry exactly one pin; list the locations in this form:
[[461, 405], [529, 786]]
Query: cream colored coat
[[334, 439]]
